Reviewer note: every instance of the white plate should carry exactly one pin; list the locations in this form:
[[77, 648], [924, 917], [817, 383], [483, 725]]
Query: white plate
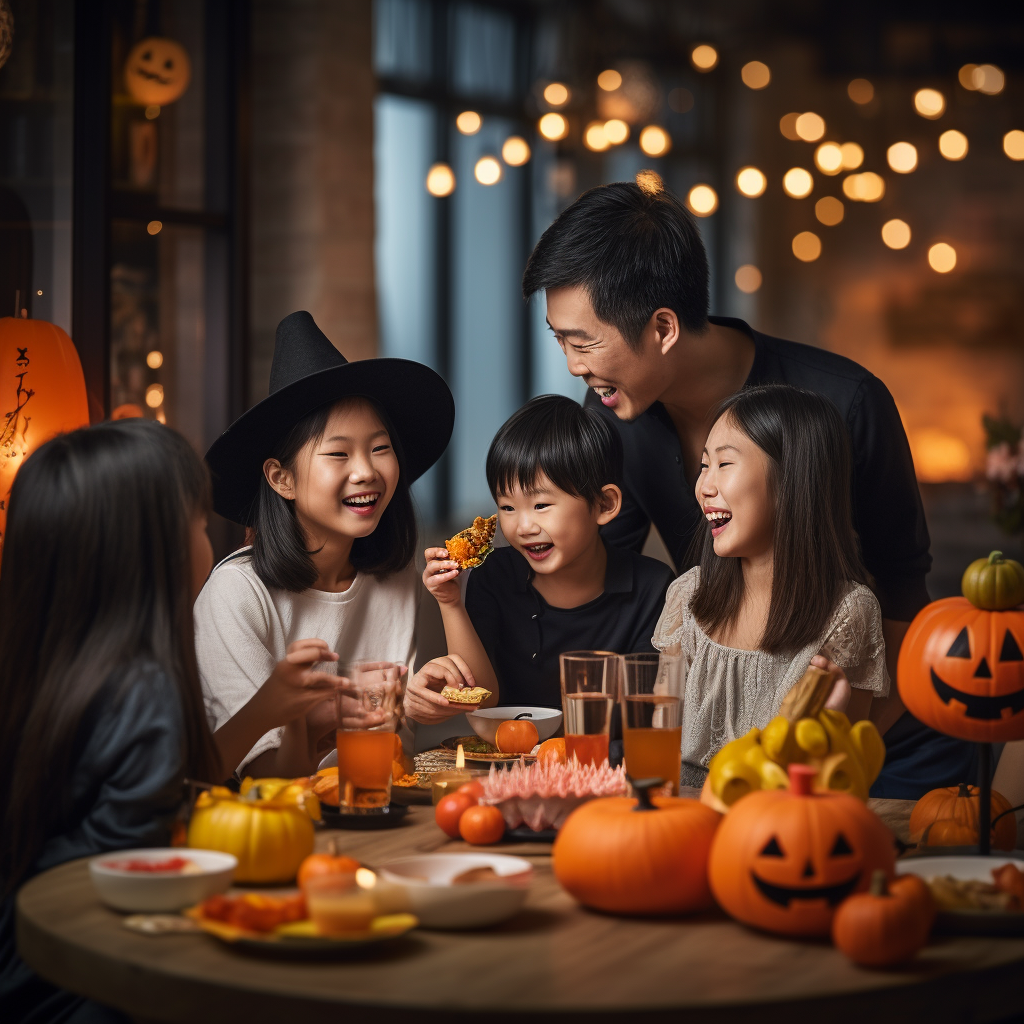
[[143, 892]]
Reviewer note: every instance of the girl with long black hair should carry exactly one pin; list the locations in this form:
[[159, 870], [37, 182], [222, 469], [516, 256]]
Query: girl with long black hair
[[103, 717]]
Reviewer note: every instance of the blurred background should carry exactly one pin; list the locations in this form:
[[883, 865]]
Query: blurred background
[[176, 176]]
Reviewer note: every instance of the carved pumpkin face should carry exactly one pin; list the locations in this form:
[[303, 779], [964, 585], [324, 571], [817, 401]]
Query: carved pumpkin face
[[157, 71], [961, 671], [784, 861]]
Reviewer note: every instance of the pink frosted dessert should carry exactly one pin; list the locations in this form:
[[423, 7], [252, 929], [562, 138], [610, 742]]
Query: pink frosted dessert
[[542, 795]]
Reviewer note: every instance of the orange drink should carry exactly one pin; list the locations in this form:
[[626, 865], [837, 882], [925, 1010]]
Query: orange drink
[[587, 749], [590, 685], [364, 768], [652, 717], [338, 905]]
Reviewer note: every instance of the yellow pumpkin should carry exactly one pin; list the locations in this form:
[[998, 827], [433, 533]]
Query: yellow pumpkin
[[268, 826]]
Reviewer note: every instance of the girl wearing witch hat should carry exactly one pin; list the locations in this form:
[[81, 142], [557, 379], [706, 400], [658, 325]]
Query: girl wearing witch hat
[[320, 472]]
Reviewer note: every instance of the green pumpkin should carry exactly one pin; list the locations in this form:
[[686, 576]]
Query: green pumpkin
[[994, 583]]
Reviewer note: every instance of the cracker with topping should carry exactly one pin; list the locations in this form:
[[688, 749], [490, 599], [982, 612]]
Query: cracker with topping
[[467, 695], [471, 546]]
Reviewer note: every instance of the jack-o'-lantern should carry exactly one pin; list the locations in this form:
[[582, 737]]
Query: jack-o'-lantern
[[961, 669], [157, 71], [783, 860], [42, 393]]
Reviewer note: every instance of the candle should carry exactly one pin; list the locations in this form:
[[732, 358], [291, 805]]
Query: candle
[[443, 783]]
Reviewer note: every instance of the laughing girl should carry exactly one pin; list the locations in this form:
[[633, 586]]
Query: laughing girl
[[320, 473], [780, 583]]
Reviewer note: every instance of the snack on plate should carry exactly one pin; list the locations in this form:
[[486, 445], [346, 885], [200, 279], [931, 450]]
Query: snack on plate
[[467, 695], [405, 781], [1004, 893], [470, 547], [544, 794], [254, 912], [170, 866]]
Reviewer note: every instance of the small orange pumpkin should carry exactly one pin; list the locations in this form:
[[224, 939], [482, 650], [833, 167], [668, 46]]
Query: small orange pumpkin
[[316, 865], [552, 750], [887, 924], [516, 736], [644, 856], [783, 860], [949, 817]]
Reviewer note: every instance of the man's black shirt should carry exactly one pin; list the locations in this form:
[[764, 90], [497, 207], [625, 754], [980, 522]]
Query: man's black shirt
[[524, 635], [887, 511]]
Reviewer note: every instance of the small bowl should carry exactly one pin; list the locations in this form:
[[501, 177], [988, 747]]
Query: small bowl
[[144, 892], [485, 722], [438, 903]]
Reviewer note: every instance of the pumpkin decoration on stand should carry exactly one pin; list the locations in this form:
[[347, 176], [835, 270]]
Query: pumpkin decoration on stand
[[949, 817], [645, 856], [157, 71], [783, 860]]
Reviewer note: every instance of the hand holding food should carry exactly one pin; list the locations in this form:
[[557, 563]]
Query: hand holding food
[[470, 547], [424, 701], [440, 576]]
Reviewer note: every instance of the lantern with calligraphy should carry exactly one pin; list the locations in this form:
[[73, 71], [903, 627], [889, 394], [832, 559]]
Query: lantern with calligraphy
[[42, 393]]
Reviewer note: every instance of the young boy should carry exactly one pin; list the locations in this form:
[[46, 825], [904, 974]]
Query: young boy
[[554, 469]]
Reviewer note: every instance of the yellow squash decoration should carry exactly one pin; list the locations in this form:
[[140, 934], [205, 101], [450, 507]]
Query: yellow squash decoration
[[267, 825], [847, 758]]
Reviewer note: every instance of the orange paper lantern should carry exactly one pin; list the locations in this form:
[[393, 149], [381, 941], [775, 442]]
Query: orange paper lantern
[[42, 393]]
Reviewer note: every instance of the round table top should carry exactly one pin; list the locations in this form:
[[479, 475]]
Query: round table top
[[553, 958]]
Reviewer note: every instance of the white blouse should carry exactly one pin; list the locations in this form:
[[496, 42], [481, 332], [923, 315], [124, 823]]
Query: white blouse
[[729, 691]]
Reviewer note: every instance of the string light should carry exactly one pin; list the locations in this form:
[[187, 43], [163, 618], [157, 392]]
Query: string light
[[748, 278], [866, 187], [440, 180], [702, 200], [609, 80], [787, 125], [154, 227], [797, 182], [553, 127], [650, 182], [155, 359], [154, 395], [487, 170], [556, 94], [953, 144], [616, 131], [861, 91], [852, 154], [829, 210], [594, 137], [654, 141], [704, 57], [751, 182], [469, 122], [515, 151], [810, 126], [896, 233], [966, 76], [755, 75], [807, 246], [988, 79], [828, 158], [929, 103], [902, 157], [942, 257], [1013, 144]]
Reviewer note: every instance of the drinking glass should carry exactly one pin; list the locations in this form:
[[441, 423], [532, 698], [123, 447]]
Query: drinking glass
[[652, 716], [369, 712], [590, 687]]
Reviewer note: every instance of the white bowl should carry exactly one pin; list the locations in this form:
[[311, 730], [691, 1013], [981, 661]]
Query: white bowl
[[431, 896], [485, 722], [145, 892]]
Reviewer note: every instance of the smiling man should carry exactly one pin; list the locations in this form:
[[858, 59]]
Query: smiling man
[[626, 280]]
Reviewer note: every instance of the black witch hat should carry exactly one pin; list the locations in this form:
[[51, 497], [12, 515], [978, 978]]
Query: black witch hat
[[308, 372]]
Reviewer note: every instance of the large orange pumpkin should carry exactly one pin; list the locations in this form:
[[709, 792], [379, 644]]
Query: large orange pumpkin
[[949, 817], [961, 669], [783, 860], [641, 856], [42, 393]]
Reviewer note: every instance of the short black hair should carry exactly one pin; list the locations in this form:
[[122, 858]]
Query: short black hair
[[279, 553], [634, 250], [578, 450]]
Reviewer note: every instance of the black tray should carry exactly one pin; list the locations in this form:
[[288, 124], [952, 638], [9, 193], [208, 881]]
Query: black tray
[[333, 818]]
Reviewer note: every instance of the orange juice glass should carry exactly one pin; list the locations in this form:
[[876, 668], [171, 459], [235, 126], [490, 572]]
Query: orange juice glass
[[590, 686], [652, 725]]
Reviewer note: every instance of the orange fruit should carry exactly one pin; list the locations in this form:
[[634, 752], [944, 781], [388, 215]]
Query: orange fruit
[[552, 750], [516, 736], [481, 826]]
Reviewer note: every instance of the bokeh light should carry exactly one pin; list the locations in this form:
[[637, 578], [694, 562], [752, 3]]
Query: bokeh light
[[797, 182], [942, 257], [988, 79], [828, 158], [155, 359], [852, 154], [515, 151], [553, 127], [650, 182], [953, 144], [469, 122], [702, 200], [594, 137], [861, 91], [609, 80], [440, 180], [1013, 144], [704, 57], [866, 187], [896, 233], [807, 246], [966, 76], [929, 103], [654, 141], [902, 157], [940, 457], [748, 278], [487, 170], [154, 396], [755, 75], [154, 227], [616, 131], [556, 94], [810, 126], [787, 125], [751, 182], [829, 211]]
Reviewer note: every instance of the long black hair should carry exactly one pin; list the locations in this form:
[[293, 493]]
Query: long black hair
[[95, 584], [280, 551], [816, 553]]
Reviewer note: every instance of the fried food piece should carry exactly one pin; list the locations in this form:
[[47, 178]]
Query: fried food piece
[[405, 781], [467, 695], [471, 546], [967, 894]]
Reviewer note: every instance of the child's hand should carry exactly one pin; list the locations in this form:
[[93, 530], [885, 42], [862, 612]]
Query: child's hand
[[294, 689], [423, 700], [441, 576], [839, 698]]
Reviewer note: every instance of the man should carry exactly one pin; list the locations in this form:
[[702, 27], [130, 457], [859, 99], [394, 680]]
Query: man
[[626, 280]]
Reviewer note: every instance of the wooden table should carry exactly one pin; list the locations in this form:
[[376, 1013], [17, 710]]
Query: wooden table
[[554, 958]]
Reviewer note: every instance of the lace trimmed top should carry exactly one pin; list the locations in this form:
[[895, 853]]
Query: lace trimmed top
[[729, 691]]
